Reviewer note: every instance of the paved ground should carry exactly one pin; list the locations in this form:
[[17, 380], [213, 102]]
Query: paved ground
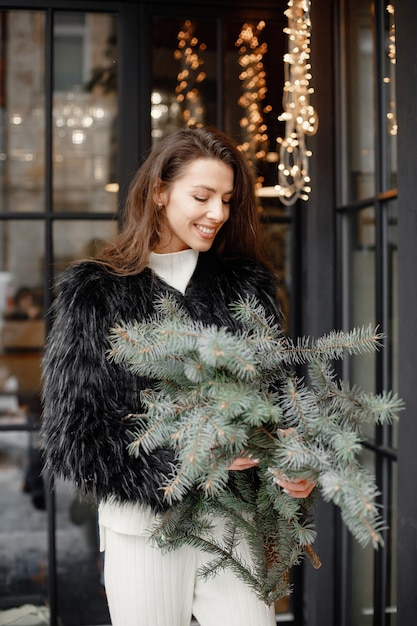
[[23, 545]]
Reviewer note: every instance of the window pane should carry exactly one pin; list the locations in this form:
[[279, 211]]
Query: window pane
[[75, 240], [185, 83], [81, 596], [362, 560], [393, 329], [362, 288], [22, 123], [183, 74], [362, 568], [359, 174], [22, 327], [359, 291], [392, 588], [85, 112], [23, 532], [277, 237]]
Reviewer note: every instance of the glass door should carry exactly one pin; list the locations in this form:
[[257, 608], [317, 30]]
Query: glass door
[[367, 258], [58, 201]]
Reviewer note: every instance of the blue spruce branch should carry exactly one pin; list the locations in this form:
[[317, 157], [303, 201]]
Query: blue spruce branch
[[217, 395]]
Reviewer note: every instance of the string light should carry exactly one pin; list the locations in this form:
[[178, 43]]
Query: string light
[[253, 80], [190, 75], [299, 115], [392, 55]]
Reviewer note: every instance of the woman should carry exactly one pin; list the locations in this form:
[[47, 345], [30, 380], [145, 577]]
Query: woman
[[191, 229]]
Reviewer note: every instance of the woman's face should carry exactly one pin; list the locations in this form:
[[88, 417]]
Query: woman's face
[[196, 206]]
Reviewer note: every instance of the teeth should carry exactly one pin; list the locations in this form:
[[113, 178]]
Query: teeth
[[207, 231]]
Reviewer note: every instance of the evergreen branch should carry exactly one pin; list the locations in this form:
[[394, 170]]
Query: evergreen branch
[[227, 558], [356, 488], [217, 474], [304, 534], [334, 345], [360, 407], [300, 458], [288, 508], [178, 486], [299, 404], [221, 349], [145, 436], [252, 315], [217, 395]]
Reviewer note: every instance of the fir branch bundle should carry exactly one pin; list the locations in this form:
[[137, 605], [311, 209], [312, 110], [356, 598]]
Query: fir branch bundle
[[217, 394]]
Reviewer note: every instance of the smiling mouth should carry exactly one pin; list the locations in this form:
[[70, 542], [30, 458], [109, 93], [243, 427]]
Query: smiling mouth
[[205, 230]]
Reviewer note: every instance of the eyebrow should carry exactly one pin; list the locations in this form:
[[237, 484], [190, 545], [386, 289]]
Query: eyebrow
[[226, 193]]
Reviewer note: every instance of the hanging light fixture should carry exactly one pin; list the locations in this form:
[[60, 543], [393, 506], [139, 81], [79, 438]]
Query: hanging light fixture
[[190, 75], [299, 115], [254, 89]]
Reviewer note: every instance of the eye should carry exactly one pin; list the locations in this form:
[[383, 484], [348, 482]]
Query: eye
[[227, 202], [200, 199]]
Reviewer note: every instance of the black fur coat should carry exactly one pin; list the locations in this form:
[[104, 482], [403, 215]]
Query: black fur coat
[[86, 397]]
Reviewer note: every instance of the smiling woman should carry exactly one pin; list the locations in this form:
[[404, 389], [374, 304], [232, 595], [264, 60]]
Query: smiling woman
[[192, 167], [196, 206], [191, 230]]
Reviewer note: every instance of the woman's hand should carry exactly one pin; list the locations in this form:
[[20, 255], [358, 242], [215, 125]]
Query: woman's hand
[[296, 488], [293, 487], [242, 463]]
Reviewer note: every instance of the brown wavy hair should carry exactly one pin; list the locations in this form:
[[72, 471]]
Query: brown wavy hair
[[239, 237]]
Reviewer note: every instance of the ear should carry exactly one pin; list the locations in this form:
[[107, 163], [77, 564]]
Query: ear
[[160, 195]]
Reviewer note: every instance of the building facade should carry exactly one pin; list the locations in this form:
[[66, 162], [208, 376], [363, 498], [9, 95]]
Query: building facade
[[86, 88]]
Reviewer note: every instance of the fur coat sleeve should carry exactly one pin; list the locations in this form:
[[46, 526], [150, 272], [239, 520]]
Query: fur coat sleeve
[[86, 397]]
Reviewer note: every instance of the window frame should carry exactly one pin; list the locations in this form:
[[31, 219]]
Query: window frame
[[384, 452]]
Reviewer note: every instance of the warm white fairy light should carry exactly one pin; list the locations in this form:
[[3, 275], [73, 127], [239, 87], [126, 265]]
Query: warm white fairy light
[[253, 80], [190, 74], [391, 43], [392, 55], [299, 115]]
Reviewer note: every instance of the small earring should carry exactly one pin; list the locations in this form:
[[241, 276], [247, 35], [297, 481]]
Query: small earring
[[160, 206]]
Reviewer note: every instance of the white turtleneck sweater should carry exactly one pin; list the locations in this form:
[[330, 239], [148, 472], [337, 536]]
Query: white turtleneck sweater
[[176, 269]]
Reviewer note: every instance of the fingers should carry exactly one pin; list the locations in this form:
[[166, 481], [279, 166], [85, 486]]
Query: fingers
[[242, 463], [296, 488], [285, 431]]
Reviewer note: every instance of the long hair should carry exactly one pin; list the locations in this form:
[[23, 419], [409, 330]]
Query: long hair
[[143, 220]]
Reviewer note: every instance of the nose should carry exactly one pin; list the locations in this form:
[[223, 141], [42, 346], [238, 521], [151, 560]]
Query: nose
[[217, 210]]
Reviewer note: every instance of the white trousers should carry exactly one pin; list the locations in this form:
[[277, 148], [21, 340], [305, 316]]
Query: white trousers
[[146, 587]]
